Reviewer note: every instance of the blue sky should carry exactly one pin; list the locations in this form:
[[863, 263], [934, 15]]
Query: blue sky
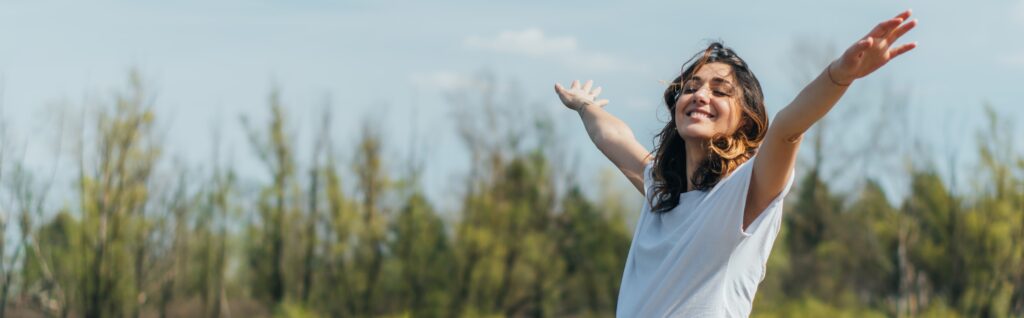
[[391, 62]]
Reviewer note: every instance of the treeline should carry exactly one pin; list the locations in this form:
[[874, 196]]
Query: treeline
[[344, 233], [339, 235], [937, 253]]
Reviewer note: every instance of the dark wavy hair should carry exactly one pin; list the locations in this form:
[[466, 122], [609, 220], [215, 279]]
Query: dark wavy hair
[[725, 152]]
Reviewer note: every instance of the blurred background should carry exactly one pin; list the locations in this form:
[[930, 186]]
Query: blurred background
[[410, 159]]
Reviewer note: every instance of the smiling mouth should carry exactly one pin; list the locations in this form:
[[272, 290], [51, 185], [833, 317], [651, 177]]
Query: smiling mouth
[[699, 115]]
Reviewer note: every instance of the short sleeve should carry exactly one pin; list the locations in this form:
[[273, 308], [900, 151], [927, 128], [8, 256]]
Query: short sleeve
[[772, 212], [731, 195]]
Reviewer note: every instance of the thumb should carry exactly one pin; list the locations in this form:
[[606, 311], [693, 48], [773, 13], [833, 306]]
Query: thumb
[[601, 103]]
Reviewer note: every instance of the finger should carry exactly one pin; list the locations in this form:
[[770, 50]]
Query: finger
[[596, 91], [902, 49], [901, 30], [903, 15], [559, 89], [575, 84], [601, 103], [884, 28], [899, 17], [586, 87]]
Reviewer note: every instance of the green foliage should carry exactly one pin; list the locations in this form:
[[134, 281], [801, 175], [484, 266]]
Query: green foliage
[[292, 310], [813, 307], [942, 253], [351, 237], [425, 257], [113, 196], [275, 208]]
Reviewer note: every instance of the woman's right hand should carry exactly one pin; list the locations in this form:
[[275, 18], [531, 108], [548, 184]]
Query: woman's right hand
[[576, 97]]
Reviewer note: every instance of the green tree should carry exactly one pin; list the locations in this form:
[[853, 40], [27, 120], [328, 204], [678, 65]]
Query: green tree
[[372, 184], [422, 249], [991, 230], [210, 231], [277, 202], [114, 195], [337, 295], [593, 244]]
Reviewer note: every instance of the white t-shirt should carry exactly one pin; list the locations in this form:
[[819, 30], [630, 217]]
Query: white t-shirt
[[696, 260]]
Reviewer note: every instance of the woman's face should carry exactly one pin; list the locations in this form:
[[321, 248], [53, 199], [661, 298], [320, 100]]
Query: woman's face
[[709, 103]]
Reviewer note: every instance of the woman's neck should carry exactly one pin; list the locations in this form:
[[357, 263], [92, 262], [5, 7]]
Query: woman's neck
[[696, 151]]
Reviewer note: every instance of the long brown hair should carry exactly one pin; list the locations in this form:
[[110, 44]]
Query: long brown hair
[[725, 152]]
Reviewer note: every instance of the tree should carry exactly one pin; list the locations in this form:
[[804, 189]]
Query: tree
[[276, 203], [422, 249], [372, 184], [114, 195]]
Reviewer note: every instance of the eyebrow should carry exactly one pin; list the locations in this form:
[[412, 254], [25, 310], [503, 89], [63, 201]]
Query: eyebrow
[[713, 79]]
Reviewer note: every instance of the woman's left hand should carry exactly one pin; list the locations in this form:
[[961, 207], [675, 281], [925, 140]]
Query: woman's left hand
[[873, 51]]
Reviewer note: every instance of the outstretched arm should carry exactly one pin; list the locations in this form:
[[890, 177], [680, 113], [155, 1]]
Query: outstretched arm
[[612, 136], [777, 155]]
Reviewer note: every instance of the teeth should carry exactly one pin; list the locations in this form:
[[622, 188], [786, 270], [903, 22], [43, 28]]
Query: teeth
[[695, 114]]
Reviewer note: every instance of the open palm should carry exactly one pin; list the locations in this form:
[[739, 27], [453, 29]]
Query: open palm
[[874, 50], [577, 95]]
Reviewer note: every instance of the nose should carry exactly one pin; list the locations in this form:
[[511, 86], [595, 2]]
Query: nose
[[702, 95]]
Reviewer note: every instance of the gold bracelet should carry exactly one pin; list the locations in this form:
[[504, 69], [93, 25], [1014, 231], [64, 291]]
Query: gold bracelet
[[829, 70]]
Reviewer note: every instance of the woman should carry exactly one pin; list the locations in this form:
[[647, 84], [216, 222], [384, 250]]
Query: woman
[[715, 183]]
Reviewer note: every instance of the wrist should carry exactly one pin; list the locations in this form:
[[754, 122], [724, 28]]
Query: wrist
[[585, 106], [838, 78]]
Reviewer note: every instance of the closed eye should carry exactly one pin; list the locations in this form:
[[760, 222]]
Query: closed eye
[[719, 88], [691, 86], [714, 91]]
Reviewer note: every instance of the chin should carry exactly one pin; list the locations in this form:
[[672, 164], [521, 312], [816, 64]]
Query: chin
[[690, 133]]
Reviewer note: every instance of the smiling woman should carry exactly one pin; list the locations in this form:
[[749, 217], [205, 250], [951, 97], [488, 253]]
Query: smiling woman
[[715, 184], [731, 134]]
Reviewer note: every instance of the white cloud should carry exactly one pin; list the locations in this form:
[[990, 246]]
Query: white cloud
[[444, 81], [530, 42], [534, 43]]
